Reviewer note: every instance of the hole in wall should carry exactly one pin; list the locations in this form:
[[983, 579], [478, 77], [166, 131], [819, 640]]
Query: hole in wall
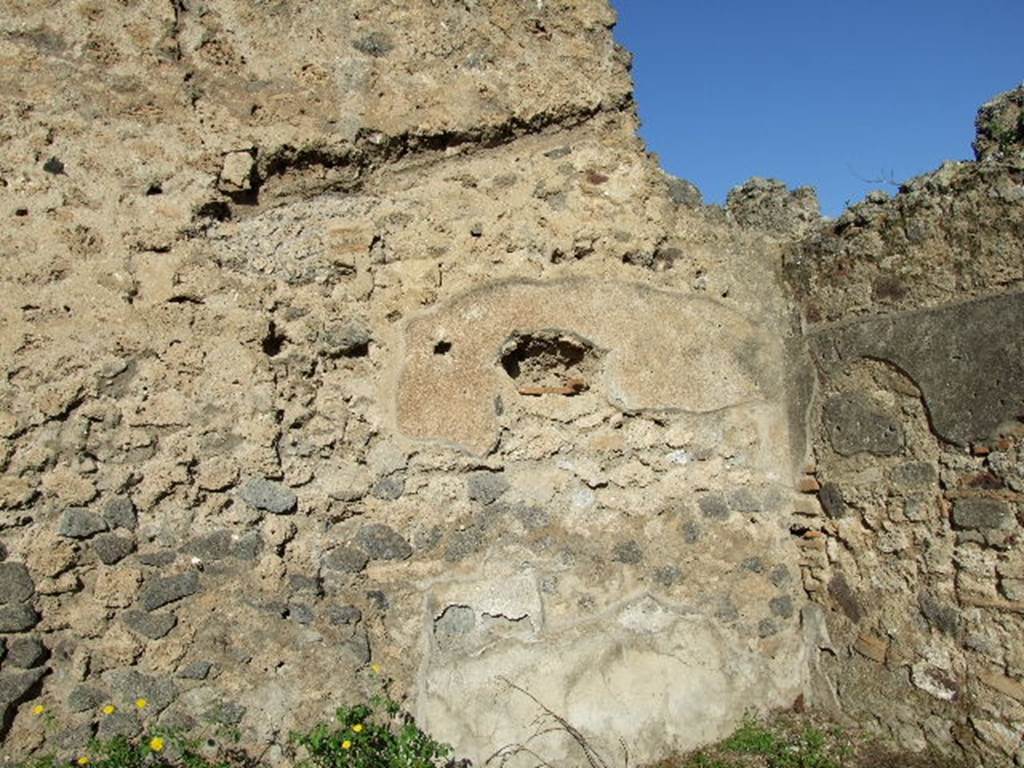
[[217, 210], [550, 362], [250, 197], [273, 343], [442, 347]]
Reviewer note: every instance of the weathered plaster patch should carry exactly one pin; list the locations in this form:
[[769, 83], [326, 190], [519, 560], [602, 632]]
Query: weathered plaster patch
[[662, 351], [607, 677], [967, 359]]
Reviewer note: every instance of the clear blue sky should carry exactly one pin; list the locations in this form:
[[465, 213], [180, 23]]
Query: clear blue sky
[[816, 92]]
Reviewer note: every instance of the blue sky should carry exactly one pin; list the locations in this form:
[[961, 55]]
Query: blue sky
[[816, 92]]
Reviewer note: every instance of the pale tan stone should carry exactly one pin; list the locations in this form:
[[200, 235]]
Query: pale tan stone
[[117, 587], [1005, 685], [872, 647], [217, 474], [68, 487], [15, 491], [236, 172]]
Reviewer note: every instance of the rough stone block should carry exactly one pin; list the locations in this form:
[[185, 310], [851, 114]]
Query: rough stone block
[[111, 548], [236, 173], [941, 614], [74, 738], [344, 614], [628, 553], [668, 576], [150, 625], [914, 476], [745, 501], [195, 670], [84, 698], [158, 592], [15, 688], [81, 523], [486, 487], [211, 547], [779, 575], [381, 542], [781, 606], [832, 501], [26, 652], [980, 513], [124, 724], [119, 512], [345, 559], [389, 488], [269, 496], [351, 339], [17, 618], [130, 685], [16, 583], [158, 559], [839, 588], [714, 506], [855, 424], [872, 647], [1005, 685], [247, 546]]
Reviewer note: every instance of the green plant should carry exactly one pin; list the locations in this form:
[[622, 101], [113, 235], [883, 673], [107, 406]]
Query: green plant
[[700, 760], [764, 745], [375, 735], [379, 736], [155, 747], [752, 738], [164, 749]]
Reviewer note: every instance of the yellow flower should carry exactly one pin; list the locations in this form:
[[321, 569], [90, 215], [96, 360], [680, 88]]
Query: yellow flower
[[83, 760], [156, 744], [38, 709], [141, 703], [109, 709], [375, 668], [358, 727], [346, 744]]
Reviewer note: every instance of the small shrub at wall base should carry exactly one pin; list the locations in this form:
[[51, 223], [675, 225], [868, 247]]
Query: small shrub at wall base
[[375, 735], [785, 742], [165, 749], [364, 738]]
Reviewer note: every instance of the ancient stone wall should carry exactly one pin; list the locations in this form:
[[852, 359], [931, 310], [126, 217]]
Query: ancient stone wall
[[354, 333], [351, 335], [912, 310]]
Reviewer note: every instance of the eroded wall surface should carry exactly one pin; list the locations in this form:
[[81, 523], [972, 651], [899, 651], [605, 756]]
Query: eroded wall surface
[[913, 312], [349, 333], [341, 334]]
